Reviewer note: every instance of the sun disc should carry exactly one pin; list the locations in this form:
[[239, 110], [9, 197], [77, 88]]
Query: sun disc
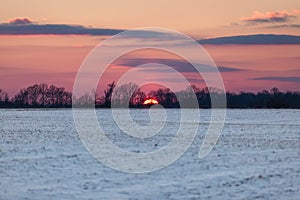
[[150, 102]]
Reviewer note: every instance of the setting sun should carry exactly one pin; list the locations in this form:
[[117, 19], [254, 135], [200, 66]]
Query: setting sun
[[150, 101]]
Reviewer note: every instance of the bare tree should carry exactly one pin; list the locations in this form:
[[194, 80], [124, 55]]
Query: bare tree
[[108, 94], [127, 95], [43, 91], [4, 99]]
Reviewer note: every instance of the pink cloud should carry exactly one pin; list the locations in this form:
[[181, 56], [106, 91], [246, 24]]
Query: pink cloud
[[296, 11], [19, 21], [271, 17]]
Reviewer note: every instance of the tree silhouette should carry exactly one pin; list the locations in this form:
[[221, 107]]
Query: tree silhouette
[[4, 99], [165, 97], [44, 96], [128, 94], [40, 96], [108, 94]]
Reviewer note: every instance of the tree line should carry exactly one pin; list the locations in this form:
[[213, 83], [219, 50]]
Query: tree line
[[130, 95]]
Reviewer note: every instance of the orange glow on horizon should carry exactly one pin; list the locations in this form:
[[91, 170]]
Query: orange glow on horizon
[[150, 102]]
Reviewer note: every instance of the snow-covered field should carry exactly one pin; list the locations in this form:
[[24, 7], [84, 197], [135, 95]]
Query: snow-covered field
[[256, 157]]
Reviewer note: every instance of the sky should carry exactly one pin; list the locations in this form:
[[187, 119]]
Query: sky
[[47, 41]]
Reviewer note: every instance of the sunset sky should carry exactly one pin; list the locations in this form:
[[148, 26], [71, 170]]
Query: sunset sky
[[46, 41]]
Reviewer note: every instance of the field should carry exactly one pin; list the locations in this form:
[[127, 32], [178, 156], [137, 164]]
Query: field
[[256, 157]]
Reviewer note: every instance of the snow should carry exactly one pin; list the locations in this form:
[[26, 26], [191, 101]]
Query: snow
[[256, 157]]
